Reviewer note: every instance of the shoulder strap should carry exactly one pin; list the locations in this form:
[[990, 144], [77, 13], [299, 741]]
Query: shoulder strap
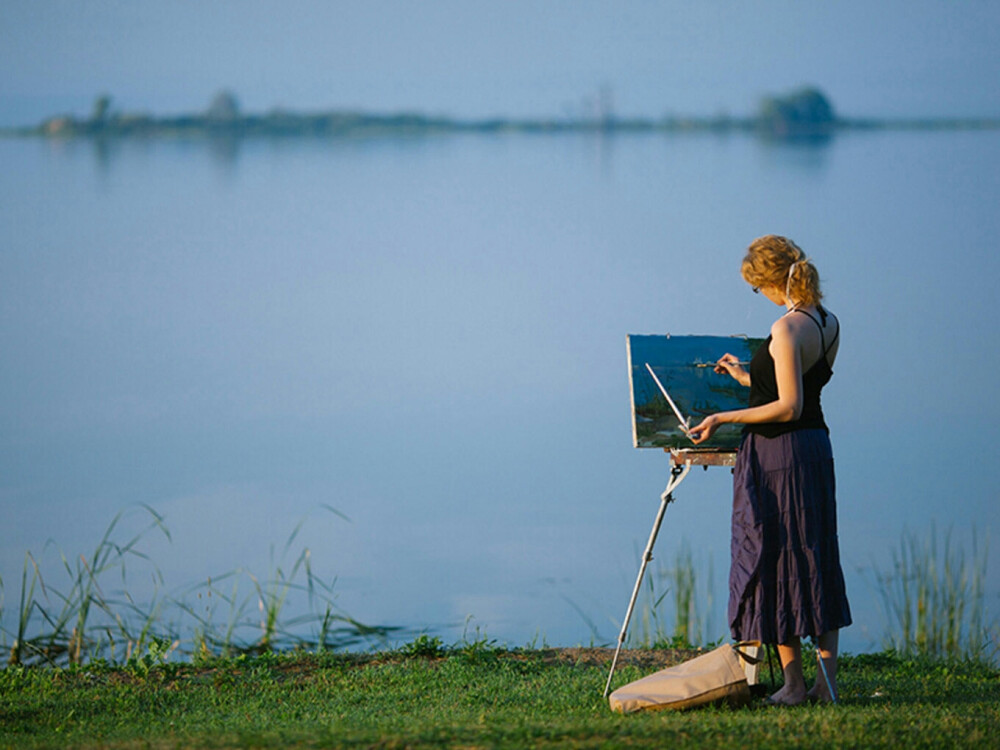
[[822, 338], [835, 336], [823, 312]]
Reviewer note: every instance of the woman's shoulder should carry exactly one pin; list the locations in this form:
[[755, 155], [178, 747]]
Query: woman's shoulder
[[803, 322], [784, 326], [799, 317]]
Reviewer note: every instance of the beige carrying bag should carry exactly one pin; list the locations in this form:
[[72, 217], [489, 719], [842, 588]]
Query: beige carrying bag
[[716, 676]]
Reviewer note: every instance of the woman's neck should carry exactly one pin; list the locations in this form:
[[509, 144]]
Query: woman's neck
[[793, 306]]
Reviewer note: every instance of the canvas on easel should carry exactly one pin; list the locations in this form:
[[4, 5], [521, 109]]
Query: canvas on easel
[[684, 366], [673, 386]]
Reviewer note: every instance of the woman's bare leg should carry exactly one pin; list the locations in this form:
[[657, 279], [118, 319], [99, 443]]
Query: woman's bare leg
[[793, 691]]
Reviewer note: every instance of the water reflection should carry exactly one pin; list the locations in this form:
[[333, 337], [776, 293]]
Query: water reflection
[[225, 152], [226, 148], [428, 334], [801, 152]]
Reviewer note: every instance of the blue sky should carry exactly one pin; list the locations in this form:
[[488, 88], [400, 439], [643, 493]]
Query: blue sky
[[474, 58]]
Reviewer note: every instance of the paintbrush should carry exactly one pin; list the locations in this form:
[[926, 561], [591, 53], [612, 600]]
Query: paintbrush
[[685, 422]]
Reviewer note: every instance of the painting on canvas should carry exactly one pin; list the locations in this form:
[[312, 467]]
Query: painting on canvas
[[684, 367]]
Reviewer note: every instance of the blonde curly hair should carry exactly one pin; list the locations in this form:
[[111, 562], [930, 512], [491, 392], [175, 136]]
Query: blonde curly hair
[[778, 262]]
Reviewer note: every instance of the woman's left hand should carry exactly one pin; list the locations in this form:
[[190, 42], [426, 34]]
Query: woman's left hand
[[705, 430]]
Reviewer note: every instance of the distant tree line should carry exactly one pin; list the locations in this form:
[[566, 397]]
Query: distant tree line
[[803, 113]]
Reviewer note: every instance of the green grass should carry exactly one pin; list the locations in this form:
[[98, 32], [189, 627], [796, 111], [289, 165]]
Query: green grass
[[674, 591], [471, 697], [262, 661], [934, 599], [87, 612]]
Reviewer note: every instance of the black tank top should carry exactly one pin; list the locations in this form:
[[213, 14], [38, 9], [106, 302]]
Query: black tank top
[[764, 385]]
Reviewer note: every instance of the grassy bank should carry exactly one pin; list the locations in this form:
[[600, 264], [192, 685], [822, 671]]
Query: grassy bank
[[80, 608], [472, 696], [264, 661]]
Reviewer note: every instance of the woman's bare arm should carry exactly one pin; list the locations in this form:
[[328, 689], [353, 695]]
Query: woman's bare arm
[[788, 373], [730, 364]]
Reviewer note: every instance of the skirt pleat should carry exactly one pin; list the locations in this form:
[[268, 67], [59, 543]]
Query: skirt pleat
[[785, 579]]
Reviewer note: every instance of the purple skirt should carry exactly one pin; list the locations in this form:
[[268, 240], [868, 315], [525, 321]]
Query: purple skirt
[[785, 579]]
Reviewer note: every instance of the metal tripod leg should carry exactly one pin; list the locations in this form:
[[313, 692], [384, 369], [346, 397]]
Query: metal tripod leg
[[826, 675], [677, 474]]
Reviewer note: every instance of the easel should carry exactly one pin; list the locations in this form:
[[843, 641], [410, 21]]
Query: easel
[[682, 460]]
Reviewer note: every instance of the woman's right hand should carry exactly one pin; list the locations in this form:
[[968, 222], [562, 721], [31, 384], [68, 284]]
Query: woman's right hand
[[730, 365], [705, 430]]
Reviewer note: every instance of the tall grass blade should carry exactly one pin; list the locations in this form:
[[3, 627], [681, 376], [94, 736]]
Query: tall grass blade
[[90, 618], [934, 599]]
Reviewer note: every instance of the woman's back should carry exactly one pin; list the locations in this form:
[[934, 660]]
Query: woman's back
[[816, 333]]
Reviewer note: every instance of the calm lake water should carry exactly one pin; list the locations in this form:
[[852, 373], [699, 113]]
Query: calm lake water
[[428, 334]]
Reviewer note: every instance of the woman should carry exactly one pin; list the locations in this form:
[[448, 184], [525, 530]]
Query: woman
[[786, 581]]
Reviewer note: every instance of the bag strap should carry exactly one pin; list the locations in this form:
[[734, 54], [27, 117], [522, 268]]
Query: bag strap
[[745, 656]]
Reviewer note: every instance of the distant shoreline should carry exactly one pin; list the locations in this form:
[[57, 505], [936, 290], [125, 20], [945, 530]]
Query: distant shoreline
[[341, 124]]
